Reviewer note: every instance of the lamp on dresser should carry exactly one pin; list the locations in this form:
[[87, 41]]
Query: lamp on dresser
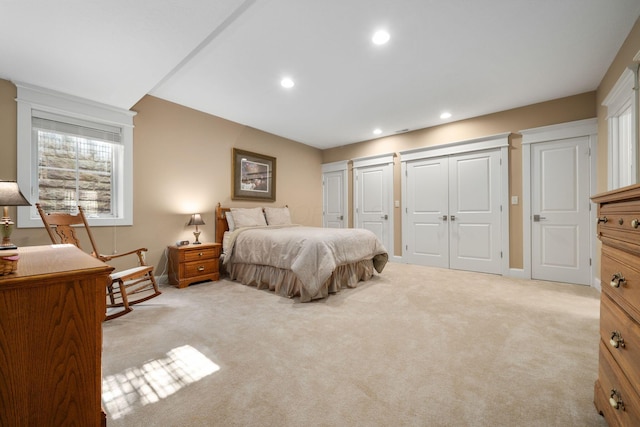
[[10, 195]]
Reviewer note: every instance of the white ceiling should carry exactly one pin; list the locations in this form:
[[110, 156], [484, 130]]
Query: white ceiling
[[226, 57]]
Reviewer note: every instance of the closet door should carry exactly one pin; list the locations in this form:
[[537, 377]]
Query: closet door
[[372, 201], [334, 211], [453, 211], [474, 212], [428, 212], [373, 209]]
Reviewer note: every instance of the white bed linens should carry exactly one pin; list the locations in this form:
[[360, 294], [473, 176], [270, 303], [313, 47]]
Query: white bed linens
[[311, 253]]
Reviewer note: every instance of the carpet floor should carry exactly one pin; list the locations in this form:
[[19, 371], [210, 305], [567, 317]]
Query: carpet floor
[[414, 346]]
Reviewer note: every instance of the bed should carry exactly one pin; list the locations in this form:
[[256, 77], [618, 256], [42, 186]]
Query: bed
[[262, 248]]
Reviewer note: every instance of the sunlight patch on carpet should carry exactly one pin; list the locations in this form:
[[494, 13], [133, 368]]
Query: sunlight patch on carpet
[[155, 380]]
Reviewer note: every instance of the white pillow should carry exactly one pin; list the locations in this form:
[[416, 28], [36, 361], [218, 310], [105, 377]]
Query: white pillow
[[225, 241], [278, 216], [248, 217], [230, 223]]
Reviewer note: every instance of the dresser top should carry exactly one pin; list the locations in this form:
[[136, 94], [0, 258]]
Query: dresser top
[[51, 261], [625, 193]]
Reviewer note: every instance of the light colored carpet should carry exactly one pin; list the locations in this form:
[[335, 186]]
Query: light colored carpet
[[414, 346]]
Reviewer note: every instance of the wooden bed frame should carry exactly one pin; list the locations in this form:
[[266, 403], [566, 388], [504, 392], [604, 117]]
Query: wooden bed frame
[[221, 222]]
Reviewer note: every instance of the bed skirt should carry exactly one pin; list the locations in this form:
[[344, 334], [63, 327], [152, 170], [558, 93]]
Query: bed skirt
[[285, 283]]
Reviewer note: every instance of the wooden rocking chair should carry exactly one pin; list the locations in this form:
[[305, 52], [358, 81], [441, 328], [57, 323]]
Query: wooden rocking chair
[[123, 284]]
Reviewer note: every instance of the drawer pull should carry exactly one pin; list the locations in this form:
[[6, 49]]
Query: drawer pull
[[635, 223], [603, 220], [201, 268], [617, 280], [616, 400], [200, 254], [616, 340]]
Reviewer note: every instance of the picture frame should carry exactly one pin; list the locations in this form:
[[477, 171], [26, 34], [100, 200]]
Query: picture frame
[[253, 176]]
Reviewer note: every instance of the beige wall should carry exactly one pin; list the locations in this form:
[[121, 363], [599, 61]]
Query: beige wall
[[547, 113], [182, 165]]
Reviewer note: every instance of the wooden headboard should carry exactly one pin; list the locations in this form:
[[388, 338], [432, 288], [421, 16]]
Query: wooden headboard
[[221, 222]]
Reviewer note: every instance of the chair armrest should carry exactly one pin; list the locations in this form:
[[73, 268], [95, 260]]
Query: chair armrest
[[138, 252]]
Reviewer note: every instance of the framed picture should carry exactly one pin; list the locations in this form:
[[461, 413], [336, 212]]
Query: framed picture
[[254, 176]]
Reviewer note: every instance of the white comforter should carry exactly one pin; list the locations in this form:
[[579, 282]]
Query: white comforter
[[312, 253]]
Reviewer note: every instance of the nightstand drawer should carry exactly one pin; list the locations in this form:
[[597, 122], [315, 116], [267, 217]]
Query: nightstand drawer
[[204, 253], [198, 268]]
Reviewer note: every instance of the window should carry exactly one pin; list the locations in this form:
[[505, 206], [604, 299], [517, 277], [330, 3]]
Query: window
[[622, 150], [73, 152]]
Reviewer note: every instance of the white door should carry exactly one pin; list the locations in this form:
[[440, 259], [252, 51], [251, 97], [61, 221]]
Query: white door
[[427, 204], [560, 246], [372, 201], [453, 211], [333, 189], [474, 212]]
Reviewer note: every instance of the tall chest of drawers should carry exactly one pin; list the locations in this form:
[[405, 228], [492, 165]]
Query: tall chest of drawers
[[617, 390]]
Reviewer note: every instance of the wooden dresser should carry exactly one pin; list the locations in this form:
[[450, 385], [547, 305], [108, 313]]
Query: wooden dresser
[[194, 263], [51, 314], [617, 390]]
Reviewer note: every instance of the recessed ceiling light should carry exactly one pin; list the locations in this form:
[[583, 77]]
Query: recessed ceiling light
[[377, 131], [445, 115], [287, 82], [380, 37]]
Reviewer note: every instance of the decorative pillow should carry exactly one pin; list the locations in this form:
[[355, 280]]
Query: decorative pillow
[[230, 223], [247, 217], [278, 216]]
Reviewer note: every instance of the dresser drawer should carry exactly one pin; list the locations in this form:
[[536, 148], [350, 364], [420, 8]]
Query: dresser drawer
[[198, 268], [621, 279], [613, 382], [621, 335], [622, 225], [204, 253]]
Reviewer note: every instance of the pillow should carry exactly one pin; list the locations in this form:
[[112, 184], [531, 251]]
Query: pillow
[[247, 217], [225, 241], [230, 223], [278, 216]]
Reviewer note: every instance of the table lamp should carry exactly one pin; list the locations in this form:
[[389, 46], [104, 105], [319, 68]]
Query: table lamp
[[196, 219], [10, 195]]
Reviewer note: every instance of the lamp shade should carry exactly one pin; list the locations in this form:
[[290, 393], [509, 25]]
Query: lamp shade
[[10, 194], [196, 219]]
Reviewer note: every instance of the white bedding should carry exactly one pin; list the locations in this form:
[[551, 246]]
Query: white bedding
[[311, 253]]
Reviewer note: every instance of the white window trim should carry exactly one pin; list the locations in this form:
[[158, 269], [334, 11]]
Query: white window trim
[[32, 97], [619, 99]]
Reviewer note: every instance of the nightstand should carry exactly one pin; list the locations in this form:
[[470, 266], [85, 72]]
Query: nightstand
[[193, 263]]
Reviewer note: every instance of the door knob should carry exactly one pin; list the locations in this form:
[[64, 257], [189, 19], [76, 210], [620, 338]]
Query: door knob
[[341, 217], [385, 216], [444, 217], [453, 217], [538, 218]]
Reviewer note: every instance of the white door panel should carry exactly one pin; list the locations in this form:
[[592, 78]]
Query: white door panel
[[373, 209], [474, 208], [428, 210], [560, 248], [334, 209]]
